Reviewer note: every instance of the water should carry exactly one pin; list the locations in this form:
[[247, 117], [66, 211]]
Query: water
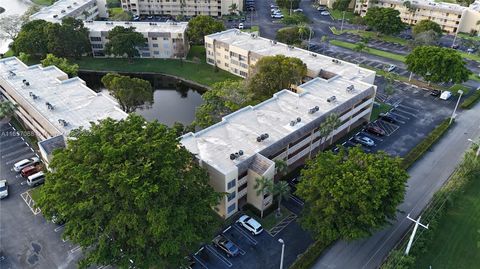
[[173, 100], [12, 7]]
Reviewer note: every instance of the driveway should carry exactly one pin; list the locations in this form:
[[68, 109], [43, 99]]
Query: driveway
[[27, 240], [426, 177]]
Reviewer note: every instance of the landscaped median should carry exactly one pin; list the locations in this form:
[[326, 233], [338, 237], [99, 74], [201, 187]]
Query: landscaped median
[[421, 148], [310, 256], [470, 101], [377, 52], [372, 35]]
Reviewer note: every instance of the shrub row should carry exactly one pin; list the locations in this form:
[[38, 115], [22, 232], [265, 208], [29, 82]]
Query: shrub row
[[423, 146], [310, 256], [471, 100]]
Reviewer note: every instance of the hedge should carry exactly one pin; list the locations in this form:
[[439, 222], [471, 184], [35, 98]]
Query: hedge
[[310, 256], [471, 100], [426, 143]]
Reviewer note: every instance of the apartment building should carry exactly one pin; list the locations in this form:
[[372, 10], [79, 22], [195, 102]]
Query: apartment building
[[246, 143], [452, 18], [214, 8], [162, 39], [50, 104], [78, 9], [236, 52]]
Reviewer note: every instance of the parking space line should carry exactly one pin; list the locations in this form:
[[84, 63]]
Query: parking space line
[[30, 202], [8, 140], [199, 261], [372, 136], [75, 249], [296, 200], [406, 112], [13, 153], [398, 115], [284, 223], [59, 228], [240, 230], [242, 252], [218, 255], [21, 157], [7, 149], [409, 107]]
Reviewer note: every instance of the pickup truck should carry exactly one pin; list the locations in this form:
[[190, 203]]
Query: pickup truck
[[226, 245]]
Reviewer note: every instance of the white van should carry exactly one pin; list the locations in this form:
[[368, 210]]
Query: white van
[[36, 179]]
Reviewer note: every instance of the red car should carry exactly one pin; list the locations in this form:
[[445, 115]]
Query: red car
[[375, 130]]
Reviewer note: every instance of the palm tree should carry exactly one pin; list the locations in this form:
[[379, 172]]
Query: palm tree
[[7, 109], [331, 123], [303, 30], [233, 8], [282, 190], [360, 47], [280, 167], [263, 186]]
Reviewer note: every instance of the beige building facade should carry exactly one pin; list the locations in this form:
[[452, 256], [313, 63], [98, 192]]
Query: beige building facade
[[215, 8], [162, 39], [452, 18]]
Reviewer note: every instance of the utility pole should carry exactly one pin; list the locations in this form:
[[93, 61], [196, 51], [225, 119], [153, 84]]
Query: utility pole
[[455, 37], [343, 19], [283, 251], [455, 110], [417, 222], [309, 38], [478, 148]]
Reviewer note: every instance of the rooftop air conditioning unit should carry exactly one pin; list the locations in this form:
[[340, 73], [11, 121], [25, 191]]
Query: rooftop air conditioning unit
[[292, 123], [55, 16], [262, 137], [69, 7], [49, 106], [350, 88], [63, 11], [63, 122], [313, 110], [313, 54], [331, 99]]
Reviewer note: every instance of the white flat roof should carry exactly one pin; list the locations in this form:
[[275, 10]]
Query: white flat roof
[[68, 6], [239, 130], [72, 100], [142, 27], [266, 47], [431, 3]]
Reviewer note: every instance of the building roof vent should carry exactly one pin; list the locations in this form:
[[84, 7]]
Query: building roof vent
[[49, 106], [331, 99], [313, 54], [34, 97], [351, 88], [55, 16], [63, 11], [291, 47], [11, 74], [236, 155], [75, 3], [313, 110], [63, 122], [336, 61], [69, 7], [109, 22], [26, 83], [262, 137]]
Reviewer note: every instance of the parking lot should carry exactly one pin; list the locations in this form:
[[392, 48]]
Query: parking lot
[[27, 239], [416, 114]]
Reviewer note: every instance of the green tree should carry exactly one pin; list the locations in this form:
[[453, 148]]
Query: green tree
[[390, 79], [289, 35], [24, 57], [274, 73], [288, 4], [29, 12], [282, 190], [350, 194], [222, 99], [32, 39], [61, 63], [202, 25], [427, 38], [7, 109], [129, 191], [426, 25], [233, 8], [465, 2], [281, 167], [68, 39], [325, 41], [263, 186], [130, 93], [341, 5], [437, 64], [326, 128], [124, 42], [384, 20], [360, 47], [122, 16]]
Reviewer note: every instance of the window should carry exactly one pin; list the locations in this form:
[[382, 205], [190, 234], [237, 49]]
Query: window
[[154, 38], [230, 196], [232, 208], [231, 184], [243, 74], [210, 60], [156, 52], [146, 54], [241, 188], [155, 45], [165, 38], [95, 38]]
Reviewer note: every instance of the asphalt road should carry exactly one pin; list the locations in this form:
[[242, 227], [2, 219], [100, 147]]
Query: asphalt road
[[426, 177]]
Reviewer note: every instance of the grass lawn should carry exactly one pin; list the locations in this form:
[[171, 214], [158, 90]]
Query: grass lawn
[[372, 35], [456, 242], [474, 77], [380, 108], [338, 15], [114, 11], [269, 221], [43, 2], [254, 28], [455, 88], [35, 193], [471, 56], [467, 36], [381, 53], [8, 53], [200, 72]]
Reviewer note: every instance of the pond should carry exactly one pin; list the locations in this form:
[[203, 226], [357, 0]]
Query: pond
[[173, 100]]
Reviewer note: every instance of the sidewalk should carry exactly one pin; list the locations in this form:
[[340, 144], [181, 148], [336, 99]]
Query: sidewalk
[[426, 177]]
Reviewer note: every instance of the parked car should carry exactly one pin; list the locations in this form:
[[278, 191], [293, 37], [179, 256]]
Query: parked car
[[435, 93], [240, 25], [251, 8], [30, 170], [18, 166], [298, 10], [390, 68], [3, 189], [243, 19], [273, 6], [321, 8], [366, 141], [36, 179], [250, 224], [277, 16], [445, 95], [325, 13], [388, 117], [375, 130], [136, 17], [149, 17], [274, 10], [230, 249]]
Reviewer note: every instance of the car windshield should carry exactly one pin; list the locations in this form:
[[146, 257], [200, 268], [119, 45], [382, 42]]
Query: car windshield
[[3, 188], [231, 247]]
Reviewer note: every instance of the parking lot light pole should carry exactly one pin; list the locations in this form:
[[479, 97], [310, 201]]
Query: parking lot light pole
[[280, 240], [478, 149], [343, 19], [455, 110]]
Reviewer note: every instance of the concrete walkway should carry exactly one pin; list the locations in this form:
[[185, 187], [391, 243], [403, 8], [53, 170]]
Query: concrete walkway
[[426, 177]]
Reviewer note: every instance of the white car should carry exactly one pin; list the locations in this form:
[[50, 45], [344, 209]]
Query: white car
[[18, 166], [250, 224], [445, 95], [366, 141], [298, 10], [274, 10], [390, 68], [3, 189], [240, 26], [277, 16], [273, 6], [325, 13]]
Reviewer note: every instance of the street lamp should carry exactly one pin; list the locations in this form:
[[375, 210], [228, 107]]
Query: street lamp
[[455, 110], [478, 149], [280, 240]]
